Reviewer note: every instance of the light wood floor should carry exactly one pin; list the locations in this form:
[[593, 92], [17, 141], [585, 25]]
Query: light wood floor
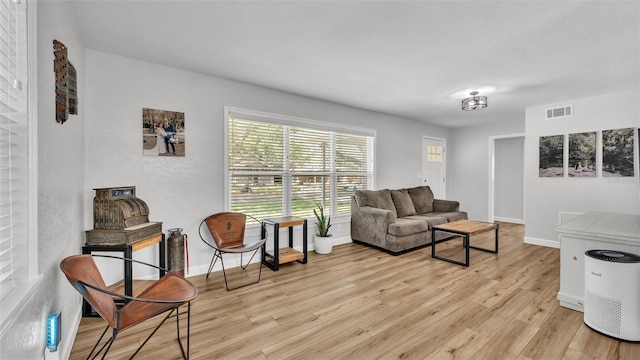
[[361, 303]]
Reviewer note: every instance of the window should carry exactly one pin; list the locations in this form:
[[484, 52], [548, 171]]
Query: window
[[280, 166], [17, 268], [434, 153]]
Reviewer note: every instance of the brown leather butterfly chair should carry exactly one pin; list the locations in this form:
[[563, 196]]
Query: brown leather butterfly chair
[[166, 294], [227, 231]]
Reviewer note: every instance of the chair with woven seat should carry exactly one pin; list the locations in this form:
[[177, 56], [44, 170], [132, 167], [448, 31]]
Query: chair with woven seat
[[227, 232], [167, 294]]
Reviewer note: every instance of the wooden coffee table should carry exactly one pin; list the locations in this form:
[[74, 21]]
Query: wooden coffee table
[[466, 228]]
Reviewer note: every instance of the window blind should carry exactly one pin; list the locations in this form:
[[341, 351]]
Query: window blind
[[256, 167], [13, 147], [310, 169], [281, 169], [354, 167]]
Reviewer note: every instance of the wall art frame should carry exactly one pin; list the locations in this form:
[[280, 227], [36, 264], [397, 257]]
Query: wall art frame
[[618, 152], [66, 83], [551, 156], [582, 154], [163, 133]]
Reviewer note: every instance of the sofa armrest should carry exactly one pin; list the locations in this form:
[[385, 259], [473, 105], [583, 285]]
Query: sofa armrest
[[370, 224], [440, 205]]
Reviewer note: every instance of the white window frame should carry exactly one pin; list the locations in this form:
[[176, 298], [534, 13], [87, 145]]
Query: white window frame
[[18, 297], [298, 122]]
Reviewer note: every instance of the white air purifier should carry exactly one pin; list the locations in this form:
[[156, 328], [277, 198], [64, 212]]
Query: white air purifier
[[612, 293]]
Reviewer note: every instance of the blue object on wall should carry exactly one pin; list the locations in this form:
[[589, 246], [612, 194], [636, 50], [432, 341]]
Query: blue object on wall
[[53, 331]]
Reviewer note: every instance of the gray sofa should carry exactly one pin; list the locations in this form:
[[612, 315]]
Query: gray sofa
[[400, 220]]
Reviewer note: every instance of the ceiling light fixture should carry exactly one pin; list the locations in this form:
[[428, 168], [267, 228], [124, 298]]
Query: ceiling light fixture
[[474, 102]]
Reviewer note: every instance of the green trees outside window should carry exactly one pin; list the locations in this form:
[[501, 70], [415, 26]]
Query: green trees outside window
[[277, 169]]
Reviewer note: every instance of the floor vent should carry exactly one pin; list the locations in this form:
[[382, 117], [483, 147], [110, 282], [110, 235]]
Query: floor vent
[[560, 112]]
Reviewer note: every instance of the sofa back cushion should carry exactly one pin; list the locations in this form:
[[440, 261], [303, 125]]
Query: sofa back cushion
[[422, 198], [380, 199], [403, 203]]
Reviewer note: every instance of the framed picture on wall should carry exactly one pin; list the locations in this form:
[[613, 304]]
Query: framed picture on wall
[[551, 162], [582, 155], [162, 133], [617, 152]]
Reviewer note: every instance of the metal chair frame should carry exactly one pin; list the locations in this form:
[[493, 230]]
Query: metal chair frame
[[175, 312], [219, 250]]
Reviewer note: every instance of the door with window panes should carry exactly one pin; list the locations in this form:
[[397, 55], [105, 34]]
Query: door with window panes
[[434, 165]]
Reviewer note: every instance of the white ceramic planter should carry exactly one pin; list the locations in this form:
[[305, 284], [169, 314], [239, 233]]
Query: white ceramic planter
[[322, 245]]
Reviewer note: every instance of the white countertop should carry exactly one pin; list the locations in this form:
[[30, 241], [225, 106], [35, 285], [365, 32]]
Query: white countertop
[[623, 228]]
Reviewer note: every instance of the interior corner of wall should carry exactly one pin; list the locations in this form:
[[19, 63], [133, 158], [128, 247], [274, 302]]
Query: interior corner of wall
[[542, 242]]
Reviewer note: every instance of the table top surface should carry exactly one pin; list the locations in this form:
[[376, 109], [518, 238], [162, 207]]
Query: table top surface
[[135, 244], [285, 221], [467, 226]]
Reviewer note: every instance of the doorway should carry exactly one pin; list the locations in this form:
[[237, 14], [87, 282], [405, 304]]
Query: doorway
[[506, 178], [434, 165]]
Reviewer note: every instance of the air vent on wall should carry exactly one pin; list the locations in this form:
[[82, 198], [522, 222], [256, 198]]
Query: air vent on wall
[[560, 112]]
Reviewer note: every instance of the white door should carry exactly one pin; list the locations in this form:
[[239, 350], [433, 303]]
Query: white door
[[434, 165]]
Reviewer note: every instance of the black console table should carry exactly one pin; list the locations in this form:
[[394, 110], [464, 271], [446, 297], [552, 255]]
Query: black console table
[[127, 250]]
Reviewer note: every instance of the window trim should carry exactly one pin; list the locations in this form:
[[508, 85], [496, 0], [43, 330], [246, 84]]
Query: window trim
[[13, 304], [279, 119]]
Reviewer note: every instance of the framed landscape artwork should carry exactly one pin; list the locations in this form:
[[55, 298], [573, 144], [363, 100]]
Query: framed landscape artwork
[[162, 133], [617, 152], [551, 156], [582, 155]]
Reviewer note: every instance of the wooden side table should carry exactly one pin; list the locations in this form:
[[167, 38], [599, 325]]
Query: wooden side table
[[127, 250], [287, 254]]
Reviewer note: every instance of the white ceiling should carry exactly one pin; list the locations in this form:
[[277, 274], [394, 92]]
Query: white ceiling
[[413, 59]]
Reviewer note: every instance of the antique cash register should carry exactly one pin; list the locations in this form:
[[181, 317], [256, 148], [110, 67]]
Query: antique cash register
[[120, 218], [121, 224]]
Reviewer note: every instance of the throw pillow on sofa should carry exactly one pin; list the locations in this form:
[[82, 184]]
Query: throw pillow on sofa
[[403, 203], [422, 197], [380, 199]]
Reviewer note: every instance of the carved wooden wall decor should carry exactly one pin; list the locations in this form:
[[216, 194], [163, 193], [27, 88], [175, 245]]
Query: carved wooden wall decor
[[66, 83]]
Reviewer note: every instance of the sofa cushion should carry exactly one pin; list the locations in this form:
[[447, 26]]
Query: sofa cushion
[[440, 205], [380, 199], [451, 216], [422, 198], [405, 227], [431, 220], [403, 203]]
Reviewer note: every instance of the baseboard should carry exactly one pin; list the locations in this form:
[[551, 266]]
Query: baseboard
[[341, 241], [509, 220], [542, 242], [234, 261], [571, 302]]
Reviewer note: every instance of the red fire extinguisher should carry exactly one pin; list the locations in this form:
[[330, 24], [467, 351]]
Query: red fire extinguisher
[[177, 248]]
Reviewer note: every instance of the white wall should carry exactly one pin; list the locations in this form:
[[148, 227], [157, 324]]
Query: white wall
[[181, 191], [468, 164], [60, 193], [102, 147], [545, 198], [509, 179]]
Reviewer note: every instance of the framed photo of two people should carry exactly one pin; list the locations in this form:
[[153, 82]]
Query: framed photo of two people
[[162, 133]]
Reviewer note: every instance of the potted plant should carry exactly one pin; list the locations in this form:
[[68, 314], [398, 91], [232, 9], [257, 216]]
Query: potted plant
[[322, 242]]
